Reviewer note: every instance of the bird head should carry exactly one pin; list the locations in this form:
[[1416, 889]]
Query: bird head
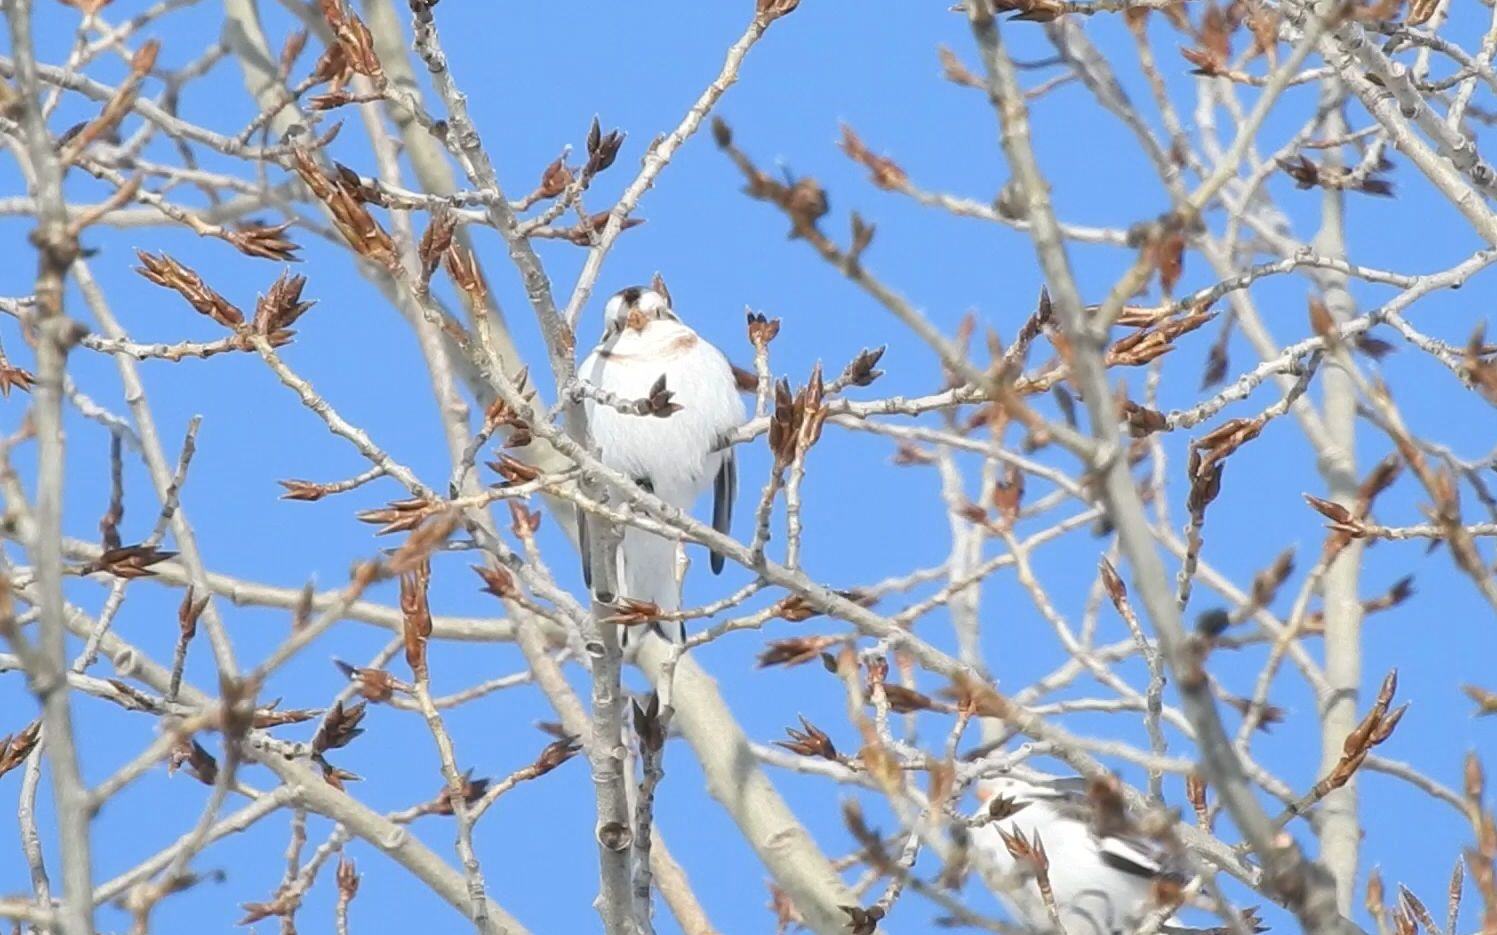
[[633, 309], [1042, 786], [999, 785]]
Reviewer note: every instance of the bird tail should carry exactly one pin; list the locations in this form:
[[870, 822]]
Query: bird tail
[[647, 572]]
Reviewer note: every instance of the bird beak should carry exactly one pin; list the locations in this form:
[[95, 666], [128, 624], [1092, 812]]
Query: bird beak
[[636, 320]]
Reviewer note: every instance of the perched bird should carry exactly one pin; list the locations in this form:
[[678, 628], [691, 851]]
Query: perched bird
[[1104, 876], [675, 449]]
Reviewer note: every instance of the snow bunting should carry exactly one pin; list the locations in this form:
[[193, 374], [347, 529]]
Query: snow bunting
[[1104, 879], [674, 450]]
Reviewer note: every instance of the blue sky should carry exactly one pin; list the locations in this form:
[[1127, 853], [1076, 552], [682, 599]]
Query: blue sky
[[536, 74]]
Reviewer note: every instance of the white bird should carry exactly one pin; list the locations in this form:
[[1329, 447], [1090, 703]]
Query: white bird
[[676, 456], [1104, 880]]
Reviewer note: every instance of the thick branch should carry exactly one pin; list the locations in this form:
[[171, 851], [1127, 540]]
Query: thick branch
[[57, 249]]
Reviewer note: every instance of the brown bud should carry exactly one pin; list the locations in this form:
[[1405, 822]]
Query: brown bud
[[1116, 589], [199, 763], [264, 242], [470, 791], [602, 149], [554, 180], [795, 651], [860, 921], [1474, 780], [956, 72], [189, 611], [722, 134], [861, 371], [165, 271], [768, 11], [15, 748], [659, 402], [808, 742], [14, 377], [1305, 174], [906, 700], [1195, 793], [513, 470], [647, 725], [435, 241], [417, 617], [497, 581], [557, 753], [339, 728], [1486, 701], [348, 879], [131, 561], [280, 307], [1339, 515], [885, 173], [761, 331], [373, 684], [1321, 321]]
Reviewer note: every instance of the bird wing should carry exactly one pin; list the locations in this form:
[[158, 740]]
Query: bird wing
[[590, 371], [1131, 854], [1126, 853], [583, 546], [724, 492]]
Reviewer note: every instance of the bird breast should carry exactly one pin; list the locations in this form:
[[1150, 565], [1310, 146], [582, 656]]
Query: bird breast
[[678, 452], [659, 342]]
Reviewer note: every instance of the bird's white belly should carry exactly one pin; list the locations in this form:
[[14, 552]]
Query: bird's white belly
[[654, 449], [676, 453]]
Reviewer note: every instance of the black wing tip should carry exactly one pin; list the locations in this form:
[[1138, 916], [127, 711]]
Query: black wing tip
[[658, 629], [1126, 865], [584, 549], [723, 489]]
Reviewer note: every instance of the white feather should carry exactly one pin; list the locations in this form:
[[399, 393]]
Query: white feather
[[677, 454]]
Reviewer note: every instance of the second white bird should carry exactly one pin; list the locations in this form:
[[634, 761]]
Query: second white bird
[[1103, 883]]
